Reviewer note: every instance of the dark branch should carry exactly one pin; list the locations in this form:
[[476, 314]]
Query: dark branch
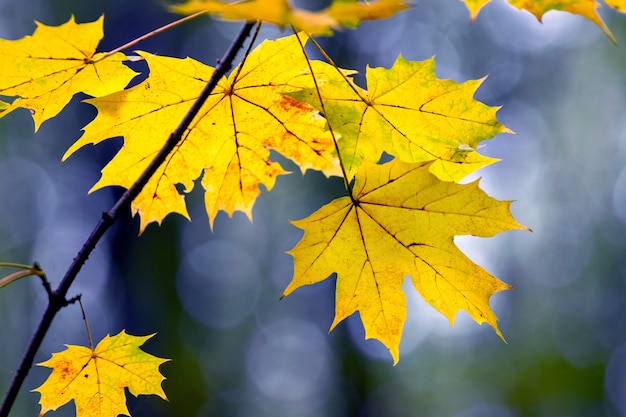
[[57, 297]]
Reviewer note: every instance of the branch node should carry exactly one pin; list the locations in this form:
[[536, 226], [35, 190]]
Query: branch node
[[58, 301], [106, 217], [44, 279], [74, 299]]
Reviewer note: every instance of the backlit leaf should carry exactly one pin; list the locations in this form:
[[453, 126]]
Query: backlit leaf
[[619, 5], [351, 13], [585, 8], [44, 71], [401, 220], [95, 379], [229, 142], [283, 14], [410, 113]]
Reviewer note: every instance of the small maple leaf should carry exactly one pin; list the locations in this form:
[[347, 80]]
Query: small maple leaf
[[230, 140], [44, 71], [95, 378], [283, 14], [585, 8], [399, 221], [410, 113]]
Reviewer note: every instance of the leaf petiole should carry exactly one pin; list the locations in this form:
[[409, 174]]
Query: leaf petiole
[[26, 270], [86, 323], [148, 35], [331, 62], [346, 180]]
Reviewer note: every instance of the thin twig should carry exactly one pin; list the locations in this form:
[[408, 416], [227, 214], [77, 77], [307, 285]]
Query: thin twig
[[57, 300], [44, 280]]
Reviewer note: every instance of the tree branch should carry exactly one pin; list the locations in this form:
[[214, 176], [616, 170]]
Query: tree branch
[[57, 297]]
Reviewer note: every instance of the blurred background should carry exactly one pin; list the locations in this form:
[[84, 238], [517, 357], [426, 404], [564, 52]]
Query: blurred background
[[213, 297]]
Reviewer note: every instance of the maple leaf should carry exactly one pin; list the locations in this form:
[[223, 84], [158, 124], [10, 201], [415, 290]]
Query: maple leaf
[[585, 8], [401, 220], [410, 113], [95, 378], [230, 140], [44, 71], [619, 5], [278, 12], [351, 12], [282, 14]]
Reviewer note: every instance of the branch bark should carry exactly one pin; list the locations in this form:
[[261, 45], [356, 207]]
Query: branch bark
[[57, 297]]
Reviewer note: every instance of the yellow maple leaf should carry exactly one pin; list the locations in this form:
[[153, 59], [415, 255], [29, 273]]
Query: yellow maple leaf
[[585, 8], [351, 13], [401, 220], [282, 14], [95, 378], [278, 12], [230, 140], [619, 5], [410, 113], [44, 71]]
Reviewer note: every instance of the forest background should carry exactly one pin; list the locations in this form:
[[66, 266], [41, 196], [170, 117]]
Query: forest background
[[213, 297]]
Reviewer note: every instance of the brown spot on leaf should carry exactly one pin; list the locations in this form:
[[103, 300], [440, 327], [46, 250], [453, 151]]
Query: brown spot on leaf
[[64, 370], [288, 103]]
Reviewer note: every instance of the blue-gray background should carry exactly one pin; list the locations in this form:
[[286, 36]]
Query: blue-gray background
[[212, 297]]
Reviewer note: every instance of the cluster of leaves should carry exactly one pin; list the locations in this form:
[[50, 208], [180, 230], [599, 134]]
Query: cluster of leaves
[[398, 218], [585, 8]]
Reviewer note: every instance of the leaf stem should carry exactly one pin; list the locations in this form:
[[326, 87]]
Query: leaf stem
[[245, 55], [21, 266], [148, 35], [346, 181], [25, 271], [11, 278], [331, 62], [57, 297], [80, 303]]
